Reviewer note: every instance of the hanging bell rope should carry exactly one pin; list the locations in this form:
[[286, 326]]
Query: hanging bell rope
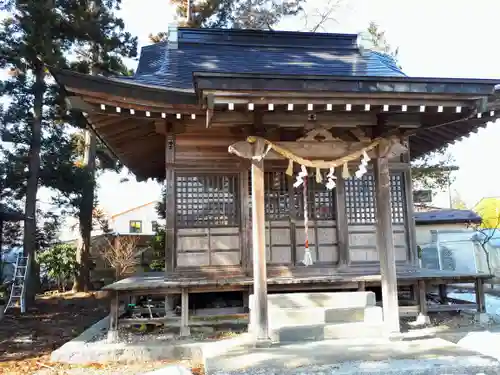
[[307, 252]]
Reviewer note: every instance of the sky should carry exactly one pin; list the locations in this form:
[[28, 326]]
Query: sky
[[445, 38]]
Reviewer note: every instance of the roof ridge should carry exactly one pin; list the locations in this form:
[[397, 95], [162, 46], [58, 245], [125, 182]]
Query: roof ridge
[[266, 38]]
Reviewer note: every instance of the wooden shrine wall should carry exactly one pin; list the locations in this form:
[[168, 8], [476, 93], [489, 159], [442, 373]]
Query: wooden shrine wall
[[212, 224], [208, 220], [362, 219], [213, 220]]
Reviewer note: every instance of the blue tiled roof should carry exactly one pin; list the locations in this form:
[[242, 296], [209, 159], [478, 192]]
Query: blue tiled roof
[[446, 216], [266, 52]]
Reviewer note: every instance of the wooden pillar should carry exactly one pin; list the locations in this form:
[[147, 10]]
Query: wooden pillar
[[246, 250], [480, 297], [422, 297], [185, 331], [170, 204], [261, 327], [385, 243], [341, 221], [361, 286], [411, 235], [443, 295], [170, 251], [423, 316], [113, 317]]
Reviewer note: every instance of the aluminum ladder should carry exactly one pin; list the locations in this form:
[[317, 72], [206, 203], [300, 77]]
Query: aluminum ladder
[[18, 291]]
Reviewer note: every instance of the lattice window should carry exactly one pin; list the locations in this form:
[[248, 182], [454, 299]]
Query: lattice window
[[207, 201], [321, 201], [397, 198], [360, 199], [276, 196]]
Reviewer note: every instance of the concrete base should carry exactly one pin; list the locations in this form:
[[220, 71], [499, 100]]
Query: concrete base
[[267, 343], [421, 320], [92, 347], [483, 318], [112, 337]]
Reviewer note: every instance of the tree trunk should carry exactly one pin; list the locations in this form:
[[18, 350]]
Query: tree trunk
[[29, 242], [82, 279]]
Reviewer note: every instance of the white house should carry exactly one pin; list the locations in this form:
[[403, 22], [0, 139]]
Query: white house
[[142, 219]]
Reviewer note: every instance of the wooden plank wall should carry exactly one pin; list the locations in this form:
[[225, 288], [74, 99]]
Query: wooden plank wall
[[225, 246], [279, 247], [198, 247], [363, 244]]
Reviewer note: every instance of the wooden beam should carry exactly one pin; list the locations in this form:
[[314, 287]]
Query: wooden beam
[[395, 101], [359, 134], [385, 243], [295, 119], [165, 127], [260, 307], [94, 97]]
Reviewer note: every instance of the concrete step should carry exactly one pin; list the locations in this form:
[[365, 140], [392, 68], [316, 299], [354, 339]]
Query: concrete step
[[318, 332], [319, 315]]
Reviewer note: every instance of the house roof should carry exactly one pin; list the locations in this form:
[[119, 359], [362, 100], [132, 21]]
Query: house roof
[[446, 216], [132, 209], [255, 51]]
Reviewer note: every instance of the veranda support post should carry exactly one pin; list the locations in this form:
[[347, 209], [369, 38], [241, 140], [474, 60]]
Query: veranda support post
[[113, 317], [385, 243], [261, 326]]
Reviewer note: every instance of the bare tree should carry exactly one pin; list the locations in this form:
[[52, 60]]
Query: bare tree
[[122, 253], [484, 237], [319, 18]]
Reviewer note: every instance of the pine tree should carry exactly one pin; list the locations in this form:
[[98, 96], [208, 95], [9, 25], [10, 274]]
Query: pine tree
[[238, 14], [30, 39], [101, 43]]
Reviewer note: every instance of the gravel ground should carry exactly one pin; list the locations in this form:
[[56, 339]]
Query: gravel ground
[[392, 368]]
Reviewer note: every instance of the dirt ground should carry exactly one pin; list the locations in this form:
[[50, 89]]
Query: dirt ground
[[27, 340]]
